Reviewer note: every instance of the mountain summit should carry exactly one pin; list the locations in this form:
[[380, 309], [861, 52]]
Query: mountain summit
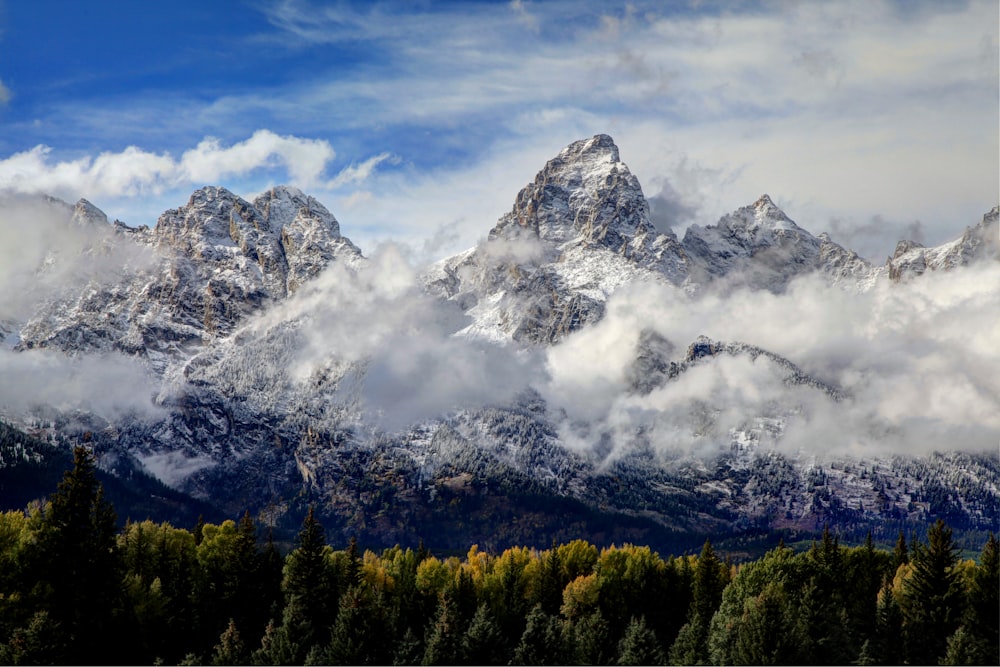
[[584, 194]]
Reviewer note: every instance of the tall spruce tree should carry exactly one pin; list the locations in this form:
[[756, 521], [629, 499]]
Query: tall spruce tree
[[76, 565], [640, 645], [933, 599], [691, 644], [310, 593]]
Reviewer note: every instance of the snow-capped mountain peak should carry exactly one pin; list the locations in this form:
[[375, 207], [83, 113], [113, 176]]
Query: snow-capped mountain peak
[[85, 213], [585, 193]]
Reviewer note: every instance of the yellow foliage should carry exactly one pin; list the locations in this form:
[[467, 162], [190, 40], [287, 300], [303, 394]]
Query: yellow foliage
[[580, 596]]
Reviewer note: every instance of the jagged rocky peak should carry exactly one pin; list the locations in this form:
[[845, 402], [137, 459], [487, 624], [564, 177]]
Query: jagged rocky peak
[[978, 242], [758, 242], [904, 246], [759, 220], [283, 205], [85, 213], [583, 193], [208, 217], [746, 229]]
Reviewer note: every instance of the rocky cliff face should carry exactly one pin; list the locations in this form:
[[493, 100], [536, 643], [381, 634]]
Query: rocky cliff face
[[204, 267]]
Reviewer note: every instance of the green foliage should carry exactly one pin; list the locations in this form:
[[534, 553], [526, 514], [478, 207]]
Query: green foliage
[[982, 619], [640, 646], [230, 650], [482, 643], [542, 641], [75, 562], [708, 582], [933, 600], [74, 591]]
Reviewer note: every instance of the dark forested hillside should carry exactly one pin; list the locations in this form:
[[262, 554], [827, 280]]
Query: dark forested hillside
[[75, 589]]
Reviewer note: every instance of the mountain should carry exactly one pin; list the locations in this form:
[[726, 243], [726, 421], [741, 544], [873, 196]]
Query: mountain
[[267, 336], [194, 276], [979, 241], [576, 234]]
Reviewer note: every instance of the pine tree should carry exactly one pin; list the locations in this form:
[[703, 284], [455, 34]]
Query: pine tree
[[900, 555], [360, 636], [310, 593], [591, 641], [691, 645], [640, 646], [551, 582], [542, 641], [39, 643], [887, 643], [444, 644], [77, 562], [933, 597], [767, 632], [409, 649], [482, 643]]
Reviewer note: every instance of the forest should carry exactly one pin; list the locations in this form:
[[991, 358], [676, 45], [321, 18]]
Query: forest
[[76, 589]]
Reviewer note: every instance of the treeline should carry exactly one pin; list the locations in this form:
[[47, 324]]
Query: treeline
[[75, 590]]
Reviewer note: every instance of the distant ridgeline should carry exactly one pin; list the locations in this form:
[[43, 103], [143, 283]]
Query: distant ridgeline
[[74, 589]]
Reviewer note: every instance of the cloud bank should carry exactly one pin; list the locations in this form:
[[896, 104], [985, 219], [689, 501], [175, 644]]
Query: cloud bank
[[919, 363]]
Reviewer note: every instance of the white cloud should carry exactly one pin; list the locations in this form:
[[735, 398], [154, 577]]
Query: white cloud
[[4, 94], [108, 385], [919, 362], [135, 172], [209, 162]]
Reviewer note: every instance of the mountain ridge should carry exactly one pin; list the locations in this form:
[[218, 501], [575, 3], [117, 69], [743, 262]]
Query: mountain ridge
[[240, 428]]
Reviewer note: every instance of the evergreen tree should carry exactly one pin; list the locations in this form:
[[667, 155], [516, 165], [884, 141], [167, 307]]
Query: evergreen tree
[[590, 639], [41, 642], [551, 583], [900, 555], [979, 642], [482, 643], [361, 634], [76, 564], [444, 645], [933, 597], [886, 647], [310, 593], [767, 631], [542, 641], [691, 645], [866, 567], [409, 649], [640, 645], [276, 648]]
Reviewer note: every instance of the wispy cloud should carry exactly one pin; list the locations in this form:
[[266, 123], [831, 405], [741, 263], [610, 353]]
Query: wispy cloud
[[358, 173], [135, 172]]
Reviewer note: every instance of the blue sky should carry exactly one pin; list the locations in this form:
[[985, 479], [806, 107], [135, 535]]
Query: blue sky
[[419, 122]]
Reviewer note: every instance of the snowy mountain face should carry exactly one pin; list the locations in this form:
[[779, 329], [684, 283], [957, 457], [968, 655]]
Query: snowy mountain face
[[912, 259], [576, 234], [206, 265], [555, 370]]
